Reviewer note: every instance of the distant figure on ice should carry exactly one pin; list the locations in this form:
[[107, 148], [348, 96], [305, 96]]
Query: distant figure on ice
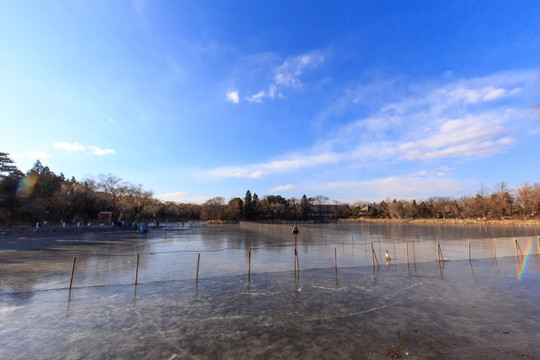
[[295, 229], [388, 258]]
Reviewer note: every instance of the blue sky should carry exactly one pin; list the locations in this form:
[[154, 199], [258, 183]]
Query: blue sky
[[352, 100]]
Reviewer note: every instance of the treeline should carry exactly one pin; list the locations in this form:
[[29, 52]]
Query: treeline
[[41, 195], [498, 203]]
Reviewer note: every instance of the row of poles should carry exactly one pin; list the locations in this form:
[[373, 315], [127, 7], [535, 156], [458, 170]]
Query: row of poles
[[374, 258]]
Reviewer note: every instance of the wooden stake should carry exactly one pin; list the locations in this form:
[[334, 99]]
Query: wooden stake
[[518, 248], [438, 252], [413, 252], [249, 262], [407, 248], [137, 270], [297, 263], [469, 250], [198, 261], [72, 273], [335, 257], [494, 249], [441, 256], [374, 256]]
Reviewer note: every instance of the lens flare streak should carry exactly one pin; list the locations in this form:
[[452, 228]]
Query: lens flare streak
[[525, 261]]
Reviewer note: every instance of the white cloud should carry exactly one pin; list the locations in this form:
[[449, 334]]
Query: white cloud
[[40, 154], [472, 136], [469, 95], [181, 197], [68, 146], [98, 151], [397, 187], [287, 75], [232, 96], [257, 174], [420, 173], [288, 163], [458, 120], [284, 187], [257, 98]]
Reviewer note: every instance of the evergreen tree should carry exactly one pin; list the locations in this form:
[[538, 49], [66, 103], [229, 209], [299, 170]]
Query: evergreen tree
[[255, 206], [6, 167], [305, 207], [248, 206]]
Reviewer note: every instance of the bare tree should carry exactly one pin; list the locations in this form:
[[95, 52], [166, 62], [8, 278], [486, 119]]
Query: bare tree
[[320, 201], [113, 186], [482, 200], [213, 209], [133, 201], [501, 200]]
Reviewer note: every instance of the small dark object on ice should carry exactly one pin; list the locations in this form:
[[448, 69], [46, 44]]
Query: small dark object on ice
[[295, 229]]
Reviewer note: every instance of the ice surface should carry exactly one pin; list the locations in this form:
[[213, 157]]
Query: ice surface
[[449, 310]]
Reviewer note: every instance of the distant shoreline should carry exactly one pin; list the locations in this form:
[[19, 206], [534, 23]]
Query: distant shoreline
[[447, 221]]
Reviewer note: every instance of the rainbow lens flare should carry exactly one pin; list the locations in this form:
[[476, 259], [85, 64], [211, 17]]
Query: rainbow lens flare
[[26, 185], [526, 261]]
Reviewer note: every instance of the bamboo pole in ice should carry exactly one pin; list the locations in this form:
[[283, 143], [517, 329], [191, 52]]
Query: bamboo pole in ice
[[374, 256], [72, 273], [198, 261], [137, 270], [249, 263], [407, 248]]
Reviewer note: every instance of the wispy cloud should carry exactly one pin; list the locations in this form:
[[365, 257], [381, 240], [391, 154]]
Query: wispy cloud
[[284, 187], [287, 75], [460, 119], [181, 197], [470, 137], [287, 163], [257, 98], [396, 187], [98, 151], [69, 146], [487, 93]]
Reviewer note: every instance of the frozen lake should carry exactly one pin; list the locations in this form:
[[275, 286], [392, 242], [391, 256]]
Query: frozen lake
[[338, 305]]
